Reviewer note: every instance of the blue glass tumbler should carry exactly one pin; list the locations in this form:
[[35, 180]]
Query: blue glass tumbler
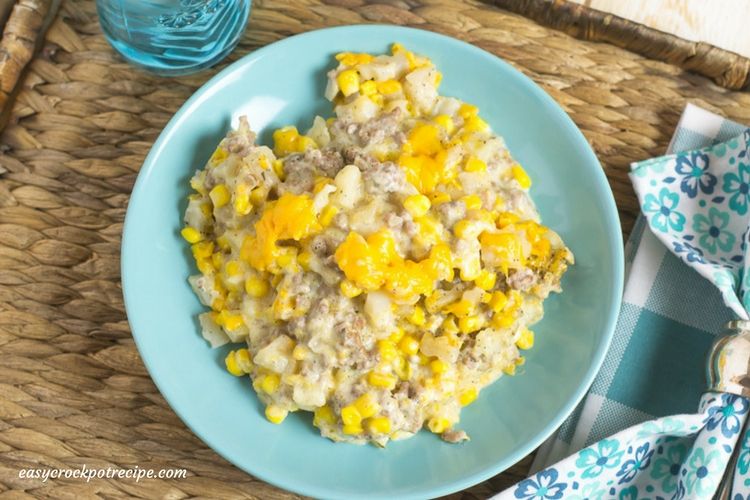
[[173, 37]]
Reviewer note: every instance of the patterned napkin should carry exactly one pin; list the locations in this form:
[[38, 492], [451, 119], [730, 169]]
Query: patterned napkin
[[697, 204]]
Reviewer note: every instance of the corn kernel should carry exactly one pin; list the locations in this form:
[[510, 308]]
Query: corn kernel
[[385, 380], [218, 304], [510, 369], [526, 340], [417, 317], [350, 415], [467, 397], [233, 268], [402, 369], [470, 324], [387, 350], [446, 122], [203, 249], [472, 202], [379, 425], [204, 266], [409, 345], [349, 289], [278, 168], [397, 335], [220, 195], [438, 197], [348, 81], [449, 326], [327, 214], [366, 405], [207, 209], [270, 383], [460, 308], [276, 414], [504, 320], [474, 164], [467, 111], [486, 280], [323, 415], [475, 124], [256, 287], [464, 228], [485, 298], [229, 321], [242, 203], [505, 219], [520, 175], [438, 425], [304, 143], [498, 302], [352, 430], [232, 367], [438, 366], [300, 352], [389, 87], [377, 99], [417, 205], [217, 260], [368, 88], [191, 235], [242, 358]]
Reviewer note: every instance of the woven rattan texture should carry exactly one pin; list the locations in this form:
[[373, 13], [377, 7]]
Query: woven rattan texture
[[73, 390]]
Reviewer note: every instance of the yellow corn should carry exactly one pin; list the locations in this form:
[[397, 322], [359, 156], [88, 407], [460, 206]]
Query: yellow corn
[[219, 155], [409, 345], [520, 175], [387, 350], [203, 249], [350, 415], [461, 308], [438, 425], [417, 205], [217, 260], [323, 415], [417, 317], [469, 324], [472, 202], [327, 214], [230, 321], [242, 203], [220, 195], [467, 397], [233, 268], [191, 235], [368, 88], [379, 425], [204, 266], [256, 287], [300, 352], [349, 289], [446, 122], [397, 335], [385, 380], [278, 168], [389, 87], [503, 320], [510, 370], [402, 369], [486, 280], [438, 366], [242, 358], [232, 367], [475, 124], [526, 340], [270, 383], [438, 197], [366, 405], [348, 81], [449, 326], [498, 301], [352, 430], [474, 164], [276, 414]]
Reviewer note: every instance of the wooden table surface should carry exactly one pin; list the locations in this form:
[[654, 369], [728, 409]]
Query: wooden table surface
[[73, 389]]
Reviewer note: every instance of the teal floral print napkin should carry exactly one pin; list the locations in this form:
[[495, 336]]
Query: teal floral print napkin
[[695, 212], [697, 204]]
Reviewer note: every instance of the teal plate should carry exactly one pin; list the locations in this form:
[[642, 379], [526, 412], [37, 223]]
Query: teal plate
[[282, 84]]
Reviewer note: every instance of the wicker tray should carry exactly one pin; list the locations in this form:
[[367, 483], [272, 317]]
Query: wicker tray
[[73, 390]]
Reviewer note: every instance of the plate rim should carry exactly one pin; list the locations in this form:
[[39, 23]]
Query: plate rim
[[614, 234]]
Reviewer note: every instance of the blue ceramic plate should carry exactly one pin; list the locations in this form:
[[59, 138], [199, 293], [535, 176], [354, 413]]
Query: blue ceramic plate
[[282, 84]]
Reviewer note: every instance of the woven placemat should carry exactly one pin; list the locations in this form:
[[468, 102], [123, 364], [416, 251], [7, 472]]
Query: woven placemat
[[73, 390]]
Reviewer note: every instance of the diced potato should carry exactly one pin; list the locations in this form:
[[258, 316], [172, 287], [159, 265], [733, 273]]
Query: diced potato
[[378, 308], [212, 332], [276, 356], [349, 184]]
